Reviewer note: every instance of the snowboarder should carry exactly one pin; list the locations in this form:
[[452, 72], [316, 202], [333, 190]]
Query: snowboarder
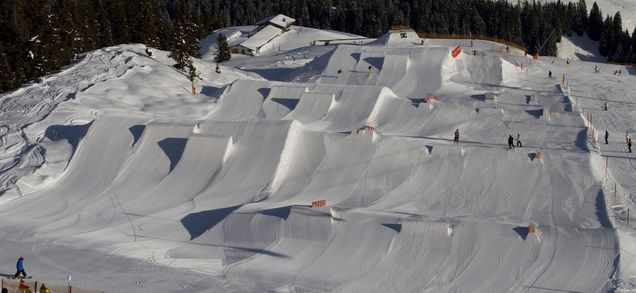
[[511, 141], [549, 73], [519, 140], [629, 145], [605, 106], [20, 267], [456, 139], [218, 69], [606, 136]]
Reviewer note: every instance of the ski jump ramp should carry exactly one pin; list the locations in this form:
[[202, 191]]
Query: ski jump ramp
[[413, 72]]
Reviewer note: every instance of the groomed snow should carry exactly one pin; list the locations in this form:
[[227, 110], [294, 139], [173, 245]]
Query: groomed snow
[[117, 175]]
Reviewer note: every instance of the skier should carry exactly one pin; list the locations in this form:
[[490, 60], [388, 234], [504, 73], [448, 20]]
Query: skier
[[339, 72], [511, 141], [549, 73], [595, 68], [518, 140], [620, 71], [20, 267], [218, 69], [370, 70], [605, 106], [629, 145], [456, 139], [606, 136], [567, 61]]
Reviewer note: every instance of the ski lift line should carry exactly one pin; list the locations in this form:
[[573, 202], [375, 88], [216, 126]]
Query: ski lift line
[[546, 40]]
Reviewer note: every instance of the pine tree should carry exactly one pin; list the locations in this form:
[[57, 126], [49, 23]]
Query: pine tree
[[223, 50], [605, 41], [582, 17], [595, 24], [185, 40]]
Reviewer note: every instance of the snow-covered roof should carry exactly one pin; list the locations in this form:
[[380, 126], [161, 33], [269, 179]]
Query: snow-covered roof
[[261, 38], [279, 20]]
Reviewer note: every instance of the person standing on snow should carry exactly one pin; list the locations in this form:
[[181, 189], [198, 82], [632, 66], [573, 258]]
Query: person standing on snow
[[606, 136], [44, 289], [549, 73], [456, 139], [605, 106], [519, 140], [629, 145], [511, 141], [20, 267]]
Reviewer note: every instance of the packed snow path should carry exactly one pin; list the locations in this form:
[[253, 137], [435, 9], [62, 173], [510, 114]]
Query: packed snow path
[[214, 193]]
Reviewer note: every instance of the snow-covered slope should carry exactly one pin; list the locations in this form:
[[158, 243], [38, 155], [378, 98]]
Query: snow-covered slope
[[113, 172]]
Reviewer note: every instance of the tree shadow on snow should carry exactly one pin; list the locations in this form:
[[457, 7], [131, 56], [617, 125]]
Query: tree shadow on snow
[[173, 148], [199, 223]]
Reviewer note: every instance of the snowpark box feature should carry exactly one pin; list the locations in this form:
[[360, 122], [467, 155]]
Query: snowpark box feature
[[337, 172]]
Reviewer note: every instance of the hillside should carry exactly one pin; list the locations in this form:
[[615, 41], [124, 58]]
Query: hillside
[[115, 173]]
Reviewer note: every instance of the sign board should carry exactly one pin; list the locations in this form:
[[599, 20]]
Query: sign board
[[318, 203]]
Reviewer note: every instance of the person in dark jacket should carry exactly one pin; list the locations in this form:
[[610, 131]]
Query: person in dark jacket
[[20, 267], [511, 141], [456, 139], [606, 136], [629, 145]]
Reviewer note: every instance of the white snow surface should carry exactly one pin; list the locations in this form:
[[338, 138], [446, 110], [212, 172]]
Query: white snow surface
[[114, 173]]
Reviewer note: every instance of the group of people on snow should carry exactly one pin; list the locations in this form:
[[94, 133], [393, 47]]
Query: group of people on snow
[[23, 287], [511, 140], [628, 140]]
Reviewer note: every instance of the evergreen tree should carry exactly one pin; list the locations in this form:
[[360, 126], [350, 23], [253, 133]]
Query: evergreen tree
[[606, 38], [582, 21], [185, 43], [223, 50], [595, 24]]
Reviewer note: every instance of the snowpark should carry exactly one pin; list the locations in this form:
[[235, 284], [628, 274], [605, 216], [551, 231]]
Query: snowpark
[[318, 168]]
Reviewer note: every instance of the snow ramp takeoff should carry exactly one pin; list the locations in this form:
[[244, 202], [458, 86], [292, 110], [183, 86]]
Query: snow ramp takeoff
[[409, 72]]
